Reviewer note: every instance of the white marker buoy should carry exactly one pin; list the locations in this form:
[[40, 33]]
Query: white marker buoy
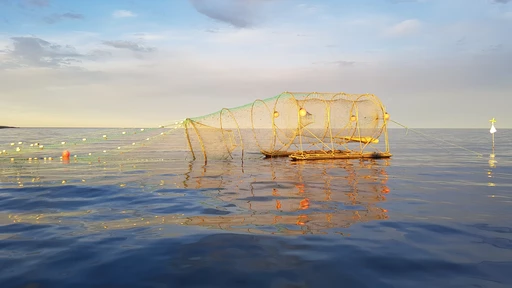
[[493, 130]]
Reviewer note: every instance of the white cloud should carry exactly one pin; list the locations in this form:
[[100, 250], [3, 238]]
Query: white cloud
[[147, 36], [404, 28], [123, 14], [309, 8]]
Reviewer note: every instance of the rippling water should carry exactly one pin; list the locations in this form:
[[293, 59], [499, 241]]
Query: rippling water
[[434, 215]]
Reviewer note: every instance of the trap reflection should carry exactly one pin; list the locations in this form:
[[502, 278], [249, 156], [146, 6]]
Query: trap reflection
[[269, 196], [291, 198]]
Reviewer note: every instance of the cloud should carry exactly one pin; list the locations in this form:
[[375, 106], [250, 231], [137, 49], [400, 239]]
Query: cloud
[[97, 54], [404, 28], [238, 13], [309, 8], [148, 36], [500, 1], [128, 45], [339, 63], [343, 63], [123, 14], [59, 17], [36, 52]]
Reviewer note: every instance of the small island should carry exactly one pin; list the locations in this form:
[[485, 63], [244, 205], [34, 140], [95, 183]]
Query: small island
[[5, 127]]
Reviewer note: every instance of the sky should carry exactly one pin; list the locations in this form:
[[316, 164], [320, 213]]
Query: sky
[[146, 63]]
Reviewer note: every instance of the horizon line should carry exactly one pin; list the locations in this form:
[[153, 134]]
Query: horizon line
[[163, 127]]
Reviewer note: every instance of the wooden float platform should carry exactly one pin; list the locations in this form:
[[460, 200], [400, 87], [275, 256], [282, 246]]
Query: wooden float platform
[[344, 155], [277, 154], [324, 155]]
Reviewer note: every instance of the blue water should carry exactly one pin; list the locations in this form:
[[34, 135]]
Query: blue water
[[434, 215]]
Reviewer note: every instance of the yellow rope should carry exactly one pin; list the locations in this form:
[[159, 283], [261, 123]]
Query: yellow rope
[[439, 139]]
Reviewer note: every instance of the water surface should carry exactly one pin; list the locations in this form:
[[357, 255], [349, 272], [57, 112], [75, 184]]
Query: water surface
[[434, 215]]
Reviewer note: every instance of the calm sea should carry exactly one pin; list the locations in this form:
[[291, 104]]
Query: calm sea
[[434, 215]]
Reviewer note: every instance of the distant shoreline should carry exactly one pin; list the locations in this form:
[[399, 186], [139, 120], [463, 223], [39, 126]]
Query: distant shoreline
[[6, 127]]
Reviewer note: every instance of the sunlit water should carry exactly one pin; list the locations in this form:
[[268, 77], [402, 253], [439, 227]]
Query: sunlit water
[[434, 215]]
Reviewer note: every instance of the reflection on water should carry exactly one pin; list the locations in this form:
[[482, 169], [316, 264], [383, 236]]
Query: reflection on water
[[296, 197], [276, 196], [492, 165]]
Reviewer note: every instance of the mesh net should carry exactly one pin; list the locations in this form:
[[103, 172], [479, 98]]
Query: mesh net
[[292, 123], [289, 124]]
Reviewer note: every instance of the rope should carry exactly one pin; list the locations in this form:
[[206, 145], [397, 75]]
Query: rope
[[88, 147], [439, 139]]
